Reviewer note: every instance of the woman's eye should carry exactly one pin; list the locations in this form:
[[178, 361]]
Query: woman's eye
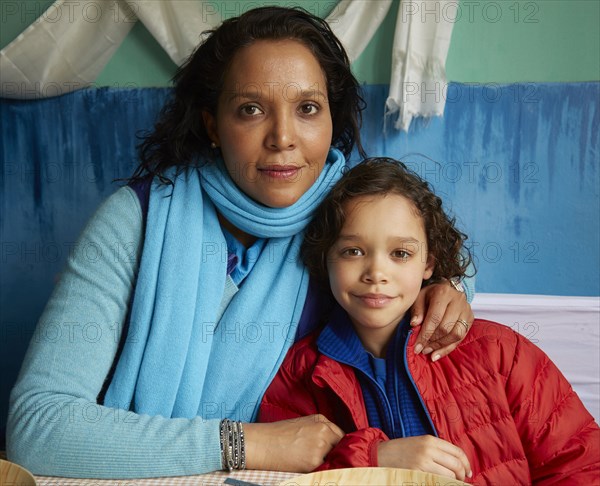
[[352, 252], [250, 110], [309, 109]]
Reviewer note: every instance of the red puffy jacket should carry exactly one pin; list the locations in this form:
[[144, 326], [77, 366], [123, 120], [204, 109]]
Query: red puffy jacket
[[497, 396]]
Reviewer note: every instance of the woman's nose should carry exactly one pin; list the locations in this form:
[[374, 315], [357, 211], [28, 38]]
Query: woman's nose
[[282, 132]]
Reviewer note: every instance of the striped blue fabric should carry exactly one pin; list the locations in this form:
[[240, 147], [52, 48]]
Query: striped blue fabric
[[244, 258]]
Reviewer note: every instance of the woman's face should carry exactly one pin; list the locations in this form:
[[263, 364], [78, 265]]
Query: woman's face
[[273, 123]]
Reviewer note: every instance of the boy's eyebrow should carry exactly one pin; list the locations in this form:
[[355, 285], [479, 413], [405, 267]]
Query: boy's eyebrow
[[405, 239], [348, 237], [399, 239]]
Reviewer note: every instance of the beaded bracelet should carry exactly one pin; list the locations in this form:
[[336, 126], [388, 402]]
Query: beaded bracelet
[[233, 447]]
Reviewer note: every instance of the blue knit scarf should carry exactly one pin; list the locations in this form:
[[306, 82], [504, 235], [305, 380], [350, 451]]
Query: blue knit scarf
[[179, 359]]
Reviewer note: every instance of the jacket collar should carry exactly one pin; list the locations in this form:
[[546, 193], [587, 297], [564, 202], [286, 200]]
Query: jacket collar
[[339, 341]]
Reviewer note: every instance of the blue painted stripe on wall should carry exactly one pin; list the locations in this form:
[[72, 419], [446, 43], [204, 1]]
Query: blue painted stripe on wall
[[519, 167], [58, 159]]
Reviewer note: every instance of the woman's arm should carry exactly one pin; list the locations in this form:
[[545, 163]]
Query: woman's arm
[[55, 426]]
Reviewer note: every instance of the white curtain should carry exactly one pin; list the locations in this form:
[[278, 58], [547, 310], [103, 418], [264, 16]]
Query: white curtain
[[421, 41], [178, 25], [71, 43], [355, 22], [63, 50]]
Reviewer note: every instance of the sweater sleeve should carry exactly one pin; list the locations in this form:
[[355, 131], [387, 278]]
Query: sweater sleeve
[[55, 425], [560, 438], [469, 284]]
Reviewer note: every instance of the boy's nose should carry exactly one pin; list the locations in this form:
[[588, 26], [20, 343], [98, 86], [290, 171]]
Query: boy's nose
[[375, 271]]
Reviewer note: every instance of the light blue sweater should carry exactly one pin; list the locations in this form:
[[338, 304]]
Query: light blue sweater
[[55, 426]]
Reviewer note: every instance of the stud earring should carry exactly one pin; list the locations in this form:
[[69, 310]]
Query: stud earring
[[213, 145]]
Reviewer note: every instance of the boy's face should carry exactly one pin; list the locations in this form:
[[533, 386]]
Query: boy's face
[[377, 265]]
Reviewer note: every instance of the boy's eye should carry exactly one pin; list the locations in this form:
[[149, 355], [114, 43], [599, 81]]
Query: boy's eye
[[402, 254], [352, 252], [250, 110], [309, 109]]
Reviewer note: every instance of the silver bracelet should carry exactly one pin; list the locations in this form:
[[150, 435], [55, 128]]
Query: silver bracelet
[[242, 447], [456, 282], [233, 447], [223, 441]]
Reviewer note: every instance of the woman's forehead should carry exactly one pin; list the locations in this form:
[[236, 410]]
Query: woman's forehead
[[274, 64]]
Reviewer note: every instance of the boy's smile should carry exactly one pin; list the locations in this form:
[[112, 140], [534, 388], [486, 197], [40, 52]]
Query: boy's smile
[[375, 300], [378, 264]]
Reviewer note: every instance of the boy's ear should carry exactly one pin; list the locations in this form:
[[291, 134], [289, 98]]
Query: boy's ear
[[210, 122], [429, 268]]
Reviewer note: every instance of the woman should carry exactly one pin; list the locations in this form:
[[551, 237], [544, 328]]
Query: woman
[[193, 325]]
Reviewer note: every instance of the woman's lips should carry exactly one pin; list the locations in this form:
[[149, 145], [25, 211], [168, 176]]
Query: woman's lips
[[280, 171], [375, 300]]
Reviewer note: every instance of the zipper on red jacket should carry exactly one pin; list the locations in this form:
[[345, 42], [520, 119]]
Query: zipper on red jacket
[[410, 377], [381, 391]]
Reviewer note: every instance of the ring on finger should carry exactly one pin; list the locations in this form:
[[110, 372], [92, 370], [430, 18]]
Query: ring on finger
[[464, 323]]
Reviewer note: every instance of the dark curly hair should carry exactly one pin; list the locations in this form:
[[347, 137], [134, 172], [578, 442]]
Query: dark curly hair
[[380, 176], [180, 136]]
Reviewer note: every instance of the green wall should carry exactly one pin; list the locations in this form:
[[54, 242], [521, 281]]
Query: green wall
[[546, 40], [493, 41]]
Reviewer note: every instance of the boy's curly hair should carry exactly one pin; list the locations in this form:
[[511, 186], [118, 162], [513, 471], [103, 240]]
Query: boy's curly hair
[[379, 176]]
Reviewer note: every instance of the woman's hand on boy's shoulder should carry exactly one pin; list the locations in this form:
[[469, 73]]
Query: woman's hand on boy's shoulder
[[446, 317]]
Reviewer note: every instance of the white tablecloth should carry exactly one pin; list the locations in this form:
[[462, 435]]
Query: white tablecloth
[[265, 478]]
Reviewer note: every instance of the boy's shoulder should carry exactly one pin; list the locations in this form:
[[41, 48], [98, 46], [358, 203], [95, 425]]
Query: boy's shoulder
[[302, 355], [484, 334], [490, 331], [490, 337], [492, 342]]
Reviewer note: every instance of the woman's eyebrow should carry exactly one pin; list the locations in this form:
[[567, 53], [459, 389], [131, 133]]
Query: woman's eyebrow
[[253, 95], [237, 95], [312, 93]]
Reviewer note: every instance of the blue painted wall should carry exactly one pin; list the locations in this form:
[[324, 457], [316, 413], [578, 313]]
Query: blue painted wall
[[58, 159], [518, 165]]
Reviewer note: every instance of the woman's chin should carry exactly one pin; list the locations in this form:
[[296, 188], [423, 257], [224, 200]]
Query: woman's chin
[[279, 201]]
